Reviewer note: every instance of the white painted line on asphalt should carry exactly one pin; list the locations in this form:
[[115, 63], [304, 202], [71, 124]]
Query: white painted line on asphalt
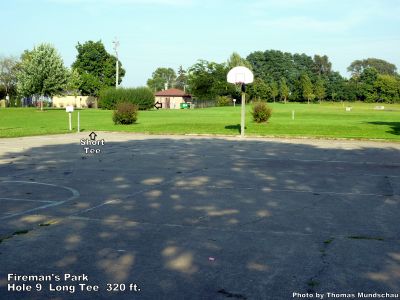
[[297, 191], [94, 207], [32, 210], [162, 224], [28, 200], [75, 194], [320, 160], [125, 197], [237, 157], [219, 228]]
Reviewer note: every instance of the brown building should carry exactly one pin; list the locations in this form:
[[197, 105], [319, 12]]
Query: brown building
[[172, 98]]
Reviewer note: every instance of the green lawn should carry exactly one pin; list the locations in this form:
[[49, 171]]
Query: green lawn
[[314, 120]]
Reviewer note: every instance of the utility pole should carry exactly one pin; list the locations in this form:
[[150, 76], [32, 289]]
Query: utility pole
[[116, 45]]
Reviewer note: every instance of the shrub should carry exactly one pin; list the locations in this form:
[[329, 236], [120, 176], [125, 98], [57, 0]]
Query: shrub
[[223, 101], [142, 97], [125, 113], [261, 112]]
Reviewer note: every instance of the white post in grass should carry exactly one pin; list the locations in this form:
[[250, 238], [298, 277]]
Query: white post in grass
[[69, 109], [79, 123]]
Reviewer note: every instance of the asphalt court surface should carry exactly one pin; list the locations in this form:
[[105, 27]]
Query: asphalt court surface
[[189, 217]]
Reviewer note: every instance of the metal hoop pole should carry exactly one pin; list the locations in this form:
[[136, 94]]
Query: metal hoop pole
[[243, 121]]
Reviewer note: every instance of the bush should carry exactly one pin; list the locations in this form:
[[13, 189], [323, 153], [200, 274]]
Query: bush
[[125, 113], [223, 101], [261, 112], [143, 97]]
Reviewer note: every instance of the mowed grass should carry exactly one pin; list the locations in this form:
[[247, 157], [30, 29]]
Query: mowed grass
[[314, 120]]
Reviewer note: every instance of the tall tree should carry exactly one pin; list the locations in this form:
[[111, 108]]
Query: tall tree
[[90, 84], [162, 78], [42, 73], [274, 65], [306, 87], [387, 88], [8, 74], [381, 66], [207, 80], [259, 90], [319, 89], [74, 82], [365, 85], [236, 60], [337, 87], [181, 79], [322, 65], [274, 89], [271, 64], [283, 90], [96, 67]]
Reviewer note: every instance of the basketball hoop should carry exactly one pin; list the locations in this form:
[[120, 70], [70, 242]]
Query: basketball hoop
[[238, 86], [240, 76]]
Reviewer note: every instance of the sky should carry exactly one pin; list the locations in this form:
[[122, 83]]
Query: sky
[[170, 33]]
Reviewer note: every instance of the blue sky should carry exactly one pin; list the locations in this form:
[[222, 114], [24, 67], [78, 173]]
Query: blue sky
[[169, 33]]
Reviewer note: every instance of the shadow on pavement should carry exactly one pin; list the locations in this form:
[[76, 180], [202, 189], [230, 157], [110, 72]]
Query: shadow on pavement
[[203, 219]]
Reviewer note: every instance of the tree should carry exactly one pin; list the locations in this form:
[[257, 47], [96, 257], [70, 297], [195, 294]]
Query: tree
[[274, 89], [236, 60], [109, 71], [8, 74], [319, 89], [387, 88], [42, 74], [90, 84], [162, 78], [74, 82], [337, 87], [382, 67], [271, 65], [275, 65], [207, 80], [283, 90], [96, 67], [259, 90], [181, 79], [307, 87], [365, 85], [322, 66]]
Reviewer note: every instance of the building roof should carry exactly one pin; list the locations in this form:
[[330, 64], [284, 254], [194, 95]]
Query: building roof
[[172, 93]]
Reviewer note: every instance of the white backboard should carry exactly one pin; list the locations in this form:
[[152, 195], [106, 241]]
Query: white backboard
[[69, 108], [240, 75]]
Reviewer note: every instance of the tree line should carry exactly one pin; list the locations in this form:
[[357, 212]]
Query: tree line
[[40, 72], [283, 76], [279, 76]]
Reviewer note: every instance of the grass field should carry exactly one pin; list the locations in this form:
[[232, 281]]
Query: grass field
[[314, 120]]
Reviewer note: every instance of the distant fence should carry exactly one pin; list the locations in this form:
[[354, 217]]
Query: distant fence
[[203, 103]]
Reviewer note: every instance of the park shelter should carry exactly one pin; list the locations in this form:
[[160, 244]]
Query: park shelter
[[172, 98]]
